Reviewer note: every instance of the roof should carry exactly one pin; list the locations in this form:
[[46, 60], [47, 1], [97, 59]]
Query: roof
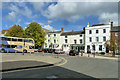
[[72, 33], [55, 32], [115, 28], [98, 24]]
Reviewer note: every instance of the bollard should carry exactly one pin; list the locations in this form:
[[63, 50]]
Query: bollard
[[94, 55], [43, 53], [57, 55], [15, 52], [7, 51], [30, 51], [88, 55]]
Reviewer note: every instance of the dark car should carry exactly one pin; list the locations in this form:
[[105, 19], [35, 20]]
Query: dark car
[[73, 52], [46, 50], [59, 51]]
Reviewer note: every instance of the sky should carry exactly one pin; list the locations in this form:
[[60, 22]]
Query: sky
[[56, 15]]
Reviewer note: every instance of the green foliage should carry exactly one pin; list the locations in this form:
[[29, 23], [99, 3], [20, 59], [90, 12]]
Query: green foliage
[[35, 31], [50, 46], [15, 31]]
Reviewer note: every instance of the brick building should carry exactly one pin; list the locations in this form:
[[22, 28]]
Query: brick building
[[115, 34]]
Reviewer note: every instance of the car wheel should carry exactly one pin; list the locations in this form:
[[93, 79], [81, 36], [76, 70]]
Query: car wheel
[[25, 51], [2, 51]]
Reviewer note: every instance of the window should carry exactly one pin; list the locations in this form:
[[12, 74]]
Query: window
[[81, 35], [19, 46], [31, 41], [90, 32], [54, 35], [65, 40], [104, 38], [26, 40], [54, 41], [65, 36], [7, 46], [104, 30], [97, 39], [116, 34], [4, 39], [64, 45], [8, 39], [48, 41], [20, 40], [88, 47], [75, 41], [67, 45], [90, 39], [93, 47], [13, 39], [31, 47], [13, 46], [97, 31], [100, 47], [80, 40], [48, 35]]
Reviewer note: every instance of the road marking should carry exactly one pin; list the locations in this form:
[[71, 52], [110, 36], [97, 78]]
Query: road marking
[[65, 61]]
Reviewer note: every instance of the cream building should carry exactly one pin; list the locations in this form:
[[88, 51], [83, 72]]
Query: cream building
[[72, 40]]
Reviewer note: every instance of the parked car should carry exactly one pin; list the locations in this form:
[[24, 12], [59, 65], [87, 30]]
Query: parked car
[[35, 50], [46, 50], [50, 50], [40, 50], [59, 51], [73, 52]]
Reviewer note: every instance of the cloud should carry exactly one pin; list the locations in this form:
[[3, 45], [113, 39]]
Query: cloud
[[49, 27], [21, 9], [49, 21], [11, 16], [104, 17], [18, 22], [78, 10]]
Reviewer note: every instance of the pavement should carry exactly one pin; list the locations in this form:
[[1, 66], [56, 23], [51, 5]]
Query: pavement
[[107, 56], [16, 61]]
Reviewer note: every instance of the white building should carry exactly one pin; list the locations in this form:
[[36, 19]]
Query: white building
[[96, 36], [53, 40], [72, 40]]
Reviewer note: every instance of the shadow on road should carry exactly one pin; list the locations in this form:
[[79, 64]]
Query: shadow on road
[[47, 73]]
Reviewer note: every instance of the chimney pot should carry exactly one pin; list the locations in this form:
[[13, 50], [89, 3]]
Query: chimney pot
[[62, 29]]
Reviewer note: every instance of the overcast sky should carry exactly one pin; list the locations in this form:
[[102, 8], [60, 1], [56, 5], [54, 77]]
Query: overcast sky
[[55, 15]]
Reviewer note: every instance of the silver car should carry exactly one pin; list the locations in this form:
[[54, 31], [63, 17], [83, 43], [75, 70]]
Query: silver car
[[59, 51]]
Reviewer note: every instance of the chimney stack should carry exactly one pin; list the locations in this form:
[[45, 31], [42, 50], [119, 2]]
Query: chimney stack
[[62, 29], [111, 24]]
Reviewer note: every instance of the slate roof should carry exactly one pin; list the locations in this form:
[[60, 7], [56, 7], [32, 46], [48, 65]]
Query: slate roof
[[115, 28], [72, 33], [98, 24], [55, 32]]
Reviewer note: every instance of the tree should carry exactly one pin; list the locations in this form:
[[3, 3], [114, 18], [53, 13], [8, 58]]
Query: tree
[[15, 31], [51, 44], [35, 31], [112, 45]]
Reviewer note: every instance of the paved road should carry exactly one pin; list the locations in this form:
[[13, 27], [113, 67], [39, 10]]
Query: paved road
[[76, 67]]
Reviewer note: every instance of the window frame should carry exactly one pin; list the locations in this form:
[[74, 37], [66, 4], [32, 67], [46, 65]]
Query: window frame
[[97, 31]]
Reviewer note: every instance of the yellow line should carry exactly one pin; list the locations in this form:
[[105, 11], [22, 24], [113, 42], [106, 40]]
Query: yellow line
[[65, 61]]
